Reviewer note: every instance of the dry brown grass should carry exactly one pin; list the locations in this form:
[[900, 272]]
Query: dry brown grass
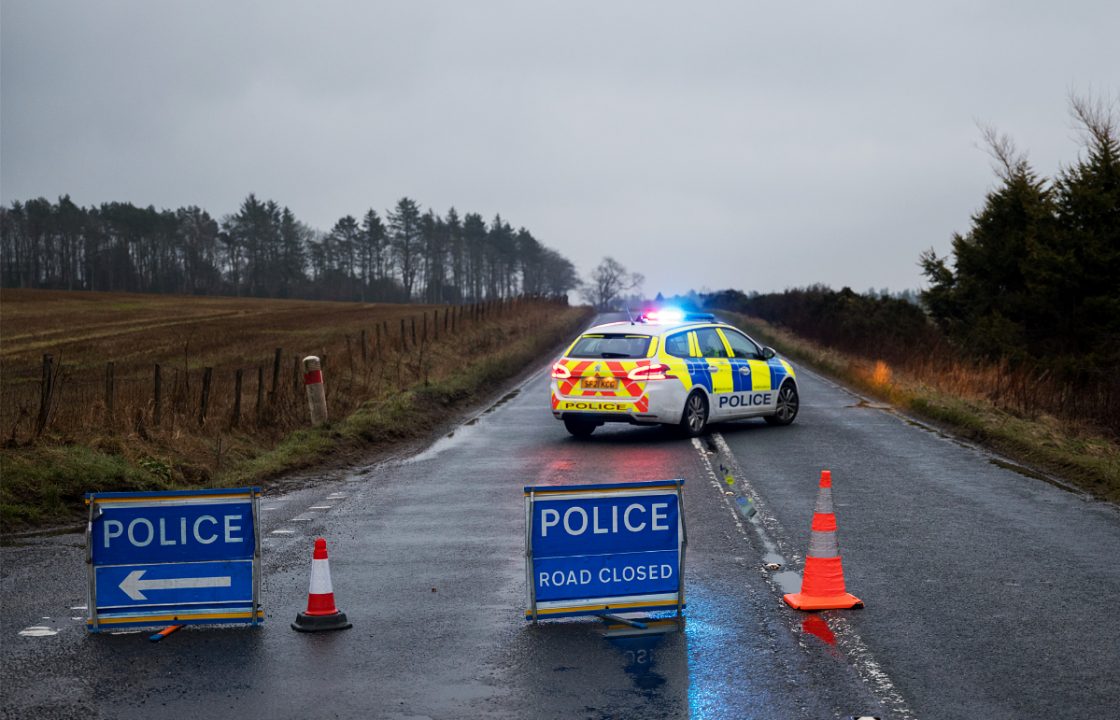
[[988, 403]]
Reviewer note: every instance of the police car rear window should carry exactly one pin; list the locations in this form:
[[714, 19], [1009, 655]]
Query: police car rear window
[[611, 346]]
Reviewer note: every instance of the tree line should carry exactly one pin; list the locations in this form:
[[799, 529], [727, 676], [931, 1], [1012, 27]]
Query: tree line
[[1036, 279], [1033, 286], [263, 250]]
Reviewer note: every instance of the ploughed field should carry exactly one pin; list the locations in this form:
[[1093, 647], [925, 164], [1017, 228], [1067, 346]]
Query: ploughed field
[[166, 391]]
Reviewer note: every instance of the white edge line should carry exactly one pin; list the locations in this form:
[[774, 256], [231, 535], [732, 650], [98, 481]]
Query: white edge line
[[848, 640]]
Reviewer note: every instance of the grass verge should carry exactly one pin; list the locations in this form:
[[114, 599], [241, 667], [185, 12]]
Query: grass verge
[[1079, 454], [43, 484]]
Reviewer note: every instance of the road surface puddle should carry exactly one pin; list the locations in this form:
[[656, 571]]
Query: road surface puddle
[[640, 648]]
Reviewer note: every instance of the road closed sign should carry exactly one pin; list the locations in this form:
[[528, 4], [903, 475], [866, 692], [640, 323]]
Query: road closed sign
[[598, 549], [179, 557]]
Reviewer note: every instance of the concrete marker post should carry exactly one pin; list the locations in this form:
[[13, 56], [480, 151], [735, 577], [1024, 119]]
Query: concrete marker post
[[316, 393]]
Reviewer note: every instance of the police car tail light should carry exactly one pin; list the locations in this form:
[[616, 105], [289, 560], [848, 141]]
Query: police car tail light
[[653, 371], [560, 371]]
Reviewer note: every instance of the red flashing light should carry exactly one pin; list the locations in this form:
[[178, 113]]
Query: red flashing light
[[664, 315], [560, 371]]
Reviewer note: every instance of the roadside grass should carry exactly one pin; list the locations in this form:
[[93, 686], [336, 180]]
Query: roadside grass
[[390, 391], [956, 398]]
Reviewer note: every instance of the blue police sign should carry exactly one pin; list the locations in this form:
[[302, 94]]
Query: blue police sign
[[596, 549], [173, 557]]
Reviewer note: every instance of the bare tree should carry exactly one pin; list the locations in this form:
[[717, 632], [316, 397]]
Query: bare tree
[[607, 281]]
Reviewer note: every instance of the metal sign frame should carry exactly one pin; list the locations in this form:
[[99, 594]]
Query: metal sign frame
[[602, 605], [171, 612]]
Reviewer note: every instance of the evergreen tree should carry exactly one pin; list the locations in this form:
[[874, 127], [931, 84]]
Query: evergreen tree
[[404, 228]]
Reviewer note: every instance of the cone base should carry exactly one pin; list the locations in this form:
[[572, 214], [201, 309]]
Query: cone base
[[320, 623], [800, 601]]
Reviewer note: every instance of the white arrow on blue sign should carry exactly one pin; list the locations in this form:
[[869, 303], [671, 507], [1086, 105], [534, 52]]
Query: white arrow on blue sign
[[134, 586]]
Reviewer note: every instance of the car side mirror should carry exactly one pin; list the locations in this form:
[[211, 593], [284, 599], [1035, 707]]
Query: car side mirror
[[767, 353]]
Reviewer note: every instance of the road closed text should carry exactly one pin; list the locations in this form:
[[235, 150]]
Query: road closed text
[[605, 575]]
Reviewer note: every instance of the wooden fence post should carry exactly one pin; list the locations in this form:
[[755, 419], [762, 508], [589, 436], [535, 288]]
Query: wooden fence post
[[157, 382], [109, 392], [377, 335], [275, 376], [446, 312], [237, 398], [404, 344], [414, 330], [365, 352], [260, 393], [46, 390], [207, 375]]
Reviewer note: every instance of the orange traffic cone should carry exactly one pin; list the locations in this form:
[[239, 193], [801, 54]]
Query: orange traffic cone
[[321, 613], [822, 584]]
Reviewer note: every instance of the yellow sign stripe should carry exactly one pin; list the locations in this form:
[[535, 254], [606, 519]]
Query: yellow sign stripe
[[154, 619], [596, 608], [538, 493], [155, 498]]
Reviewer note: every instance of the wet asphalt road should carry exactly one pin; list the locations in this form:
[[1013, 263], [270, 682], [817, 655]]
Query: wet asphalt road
[[988, 593]]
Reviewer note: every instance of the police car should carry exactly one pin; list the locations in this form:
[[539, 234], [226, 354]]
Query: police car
[[670, 368]]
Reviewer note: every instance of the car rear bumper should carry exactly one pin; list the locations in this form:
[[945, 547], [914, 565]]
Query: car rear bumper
[[661, 402]]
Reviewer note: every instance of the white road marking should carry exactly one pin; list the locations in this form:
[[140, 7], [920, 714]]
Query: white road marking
[[283, 532], [336, 496], [770, 533], [38, 631], [79, 607], [319, 507]]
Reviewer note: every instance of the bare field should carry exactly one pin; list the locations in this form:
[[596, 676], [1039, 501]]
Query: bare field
[[104, 406]]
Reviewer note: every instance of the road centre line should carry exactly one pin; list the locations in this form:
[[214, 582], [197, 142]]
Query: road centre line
[[284, 531], [772, 535], [319, 507]]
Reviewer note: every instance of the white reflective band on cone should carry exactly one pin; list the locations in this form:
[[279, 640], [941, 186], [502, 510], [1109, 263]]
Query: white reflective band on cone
[[320, 577], [824, 501]]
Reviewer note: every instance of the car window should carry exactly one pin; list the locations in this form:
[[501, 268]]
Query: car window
[[711, 346], [611, 346], [677, 345], [742, 346]]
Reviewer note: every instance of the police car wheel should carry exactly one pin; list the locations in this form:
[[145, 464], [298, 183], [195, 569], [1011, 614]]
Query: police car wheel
[[788, 405], [695, 416], [579, 428]]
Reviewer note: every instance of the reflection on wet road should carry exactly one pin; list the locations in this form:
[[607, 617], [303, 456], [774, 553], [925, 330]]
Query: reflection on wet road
[[427, 560]]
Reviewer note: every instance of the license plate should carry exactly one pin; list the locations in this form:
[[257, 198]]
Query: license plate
[[600, 383]]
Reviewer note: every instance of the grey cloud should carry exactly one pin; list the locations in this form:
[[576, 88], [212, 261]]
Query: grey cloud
[[753, 145]]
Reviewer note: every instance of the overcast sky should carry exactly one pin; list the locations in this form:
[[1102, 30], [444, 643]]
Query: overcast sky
[[754, 145]]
